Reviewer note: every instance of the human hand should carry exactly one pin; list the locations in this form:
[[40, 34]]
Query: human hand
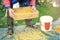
[[11, 12], [34, 8]]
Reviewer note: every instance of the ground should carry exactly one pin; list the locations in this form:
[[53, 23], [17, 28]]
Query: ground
[[26, 33]]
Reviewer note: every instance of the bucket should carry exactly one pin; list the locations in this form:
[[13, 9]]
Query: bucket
[[46, 23]]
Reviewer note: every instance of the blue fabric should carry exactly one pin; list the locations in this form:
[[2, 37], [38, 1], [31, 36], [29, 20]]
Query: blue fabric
[[8, 6], [13, 1], [26, 3]]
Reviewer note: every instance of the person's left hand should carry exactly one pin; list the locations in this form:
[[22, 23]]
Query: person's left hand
[[34, 8]]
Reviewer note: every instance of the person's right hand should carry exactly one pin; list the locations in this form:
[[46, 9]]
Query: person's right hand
[[11, 12]]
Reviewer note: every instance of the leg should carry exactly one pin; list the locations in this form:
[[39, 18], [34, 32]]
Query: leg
[[9, 24], [29, 22]]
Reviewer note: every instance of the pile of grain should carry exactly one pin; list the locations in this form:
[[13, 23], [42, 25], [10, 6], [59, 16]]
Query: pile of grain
[[24, 13], [30, 35], [23, 10], [56, 29]]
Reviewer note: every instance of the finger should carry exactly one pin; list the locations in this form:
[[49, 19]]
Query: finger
[[10, 13], [13, 12]]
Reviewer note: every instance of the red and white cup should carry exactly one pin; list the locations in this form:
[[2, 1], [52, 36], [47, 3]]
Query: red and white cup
[[46, 23]]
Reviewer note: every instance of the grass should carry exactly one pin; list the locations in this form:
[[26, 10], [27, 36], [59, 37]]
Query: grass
[[45, 9]]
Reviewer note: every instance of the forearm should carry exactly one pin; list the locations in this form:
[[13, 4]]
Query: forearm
[[7, 3]]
